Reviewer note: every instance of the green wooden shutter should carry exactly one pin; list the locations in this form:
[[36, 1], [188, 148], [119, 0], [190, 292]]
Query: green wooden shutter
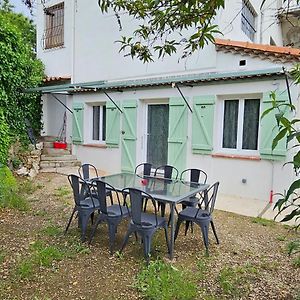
[[112, 125], [77, 124], [128, 156], [202, 124], [269, 129], [177, 140]]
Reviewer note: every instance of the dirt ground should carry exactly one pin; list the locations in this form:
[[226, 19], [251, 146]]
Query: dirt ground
[[255, 251]]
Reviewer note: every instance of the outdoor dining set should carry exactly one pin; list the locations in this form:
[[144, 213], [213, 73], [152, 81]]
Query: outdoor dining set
[[128, 195]]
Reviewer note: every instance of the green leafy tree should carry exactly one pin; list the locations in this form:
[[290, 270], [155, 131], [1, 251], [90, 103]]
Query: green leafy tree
[[19, 69], [288, 203]]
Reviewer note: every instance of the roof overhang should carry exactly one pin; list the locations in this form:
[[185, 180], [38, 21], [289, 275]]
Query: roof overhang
[[195, 79]]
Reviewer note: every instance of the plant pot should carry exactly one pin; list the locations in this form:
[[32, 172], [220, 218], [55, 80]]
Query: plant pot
[[60, 145]]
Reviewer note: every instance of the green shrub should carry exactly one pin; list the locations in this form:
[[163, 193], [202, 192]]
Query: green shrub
[[9, 193], [161, 281], [4, 139]]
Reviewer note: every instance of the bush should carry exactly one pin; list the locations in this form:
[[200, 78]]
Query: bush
[[4, 139], [9, 192], [161, 281]]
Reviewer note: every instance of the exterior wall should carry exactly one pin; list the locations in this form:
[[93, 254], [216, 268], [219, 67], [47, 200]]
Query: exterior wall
[[53, 113], [261, 176], [90, 52]]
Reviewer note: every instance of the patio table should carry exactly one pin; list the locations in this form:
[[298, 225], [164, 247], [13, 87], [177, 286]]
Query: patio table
[[165, 190]]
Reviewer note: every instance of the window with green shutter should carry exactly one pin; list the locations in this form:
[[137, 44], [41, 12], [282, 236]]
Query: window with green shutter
[[202, 124], [112, 125], [77, 124], [269, 129]]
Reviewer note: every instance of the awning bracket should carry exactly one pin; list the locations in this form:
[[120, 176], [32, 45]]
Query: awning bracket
[[60, 102], [115, 104], [179, 90]]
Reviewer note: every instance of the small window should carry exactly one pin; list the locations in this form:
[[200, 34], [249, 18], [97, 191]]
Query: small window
[[248, 18], [240, 124], [99, 123], [54, 26]]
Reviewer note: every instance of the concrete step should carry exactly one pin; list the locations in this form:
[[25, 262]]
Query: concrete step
[[48, 138], [55, 152], [50, 145], [67, 157], [59, 164]]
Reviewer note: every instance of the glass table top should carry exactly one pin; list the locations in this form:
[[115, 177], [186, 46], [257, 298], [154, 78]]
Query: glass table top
[[159, 188]]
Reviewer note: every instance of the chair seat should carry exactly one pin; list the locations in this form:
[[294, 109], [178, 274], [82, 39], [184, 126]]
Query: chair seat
[[87, 203], [149, 221], [190, 212], [115, 211]]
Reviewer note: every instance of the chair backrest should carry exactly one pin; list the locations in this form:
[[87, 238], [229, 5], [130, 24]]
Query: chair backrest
[[137, 199], [81, 190], [194, 175], [143, 169], [167, 171], [209, 197], [85, 170], [101, 187]]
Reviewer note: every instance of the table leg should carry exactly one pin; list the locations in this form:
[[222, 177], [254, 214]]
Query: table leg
[[172, 209]]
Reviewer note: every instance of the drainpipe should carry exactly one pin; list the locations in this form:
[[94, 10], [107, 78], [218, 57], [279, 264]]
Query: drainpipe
[[261, 22]]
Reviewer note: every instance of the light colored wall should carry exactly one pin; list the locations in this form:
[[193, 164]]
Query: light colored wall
[[90, 52], [53, 113]]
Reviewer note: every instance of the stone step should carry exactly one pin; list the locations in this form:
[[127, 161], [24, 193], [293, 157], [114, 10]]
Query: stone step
[[55, 152], [67, 157], [59, 164]]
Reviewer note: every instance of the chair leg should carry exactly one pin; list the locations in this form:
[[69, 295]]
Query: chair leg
[[179, 221], [112, 234], [145, 204], [125, 241], [204, 230], [70, 220], [147, 246], [167, 239], [83, 226], [94, 229], [163, 209], [111, 198], [214, 231]]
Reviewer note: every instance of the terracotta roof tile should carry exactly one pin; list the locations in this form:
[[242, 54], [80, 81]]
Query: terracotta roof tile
[[286, 53], [56, 78]]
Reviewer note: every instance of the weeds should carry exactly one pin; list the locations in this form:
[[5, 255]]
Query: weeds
[[62, 191], [263, 222], [161, 281], [52, 230]]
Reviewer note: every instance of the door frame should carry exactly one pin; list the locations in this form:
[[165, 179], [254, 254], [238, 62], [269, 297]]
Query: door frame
[[148, 102]]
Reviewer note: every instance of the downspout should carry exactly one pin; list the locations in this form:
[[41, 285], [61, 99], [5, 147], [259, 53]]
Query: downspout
[[261, 22]]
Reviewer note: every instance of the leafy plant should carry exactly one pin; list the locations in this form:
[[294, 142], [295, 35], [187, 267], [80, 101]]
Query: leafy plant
[[288, 203], [161, 281]]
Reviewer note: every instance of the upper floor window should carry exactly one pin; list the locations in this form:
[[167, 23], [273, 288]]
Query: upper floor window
[[248, 19], [240, 124], [54, 26]]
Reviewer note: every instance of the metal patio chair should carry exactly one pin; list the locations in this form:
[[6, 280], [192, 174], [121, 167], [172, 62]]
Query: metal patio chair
[[202, 216], [165, 172], [143, 224], [143, 169], [112, 214], [85, 203], [85, 171]]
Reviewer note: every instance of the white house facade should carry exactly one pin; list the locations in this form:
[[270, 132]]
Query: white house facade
[[202, 112]]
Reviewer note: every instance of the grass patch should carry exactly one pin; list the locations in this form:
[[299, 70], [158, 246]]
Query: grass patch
[[263, 222], [26, 268], [62, 191], [202, 267], [296, 262], [161, 281], [234, 280], [28, 187], [52, 230]]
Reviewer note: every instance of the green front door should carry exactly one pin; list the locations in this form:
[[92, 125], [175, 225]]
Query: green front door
[[157, 132], [128, 136]]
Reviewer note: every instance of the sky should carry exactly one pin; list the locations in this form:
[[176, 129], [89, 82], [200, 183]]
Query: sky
[[20, 7]]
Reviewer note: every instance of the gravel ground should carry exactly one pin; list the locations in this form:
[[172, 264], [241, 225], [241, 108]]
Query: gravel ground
[[251, 261]]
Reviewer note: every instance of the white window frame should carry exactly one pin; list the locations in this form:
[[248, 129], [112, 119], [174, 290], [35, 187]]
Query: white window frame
[[90, 139], [220, 112]]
